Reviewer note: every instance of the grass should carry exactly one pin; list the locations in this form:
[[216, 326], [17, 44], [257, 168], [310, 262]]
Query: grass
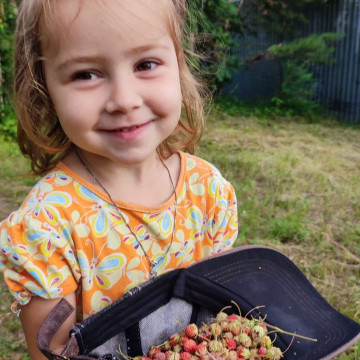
[[298, 190]]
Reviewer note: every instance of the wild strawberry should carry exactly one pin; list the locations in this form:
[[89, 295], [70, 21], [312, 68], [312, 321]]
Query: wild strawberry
[[230, 344], [184, 339], [204, 333], [205, 357], [191, 331], [274, 353], [159, 356], [246, 330], [185, 355], [189, 346], [257, 332], [177, 348], [234, 327], [244, 340], [266, 342], [174, 339], [254, 355], [215, 346], [263, 326], [227, 335], [166, 346], [232, 355], [233, 317], [201, 349], [243, 352], [221, 316], [153, 350], [215, 329], [223, 325], [250, 323], [262, 350], [173, 356], [219, 356]]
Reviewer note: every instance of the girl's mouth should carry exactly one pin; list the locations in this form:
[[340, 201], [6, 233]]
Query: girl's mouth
[[129, 133], [128, 129]]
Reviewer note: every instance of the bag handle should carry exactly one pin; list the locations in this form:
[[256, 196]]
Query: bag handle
[[49, 328]]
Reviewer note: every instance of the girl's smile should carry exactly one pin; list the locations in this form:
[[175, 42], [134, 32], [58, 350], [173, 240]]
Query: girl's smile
[[129, 132], [116, 90]]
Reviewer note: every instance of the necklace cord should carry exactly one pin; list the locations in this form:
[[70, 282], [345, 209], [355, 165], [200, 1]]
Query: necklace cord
[[152, 263]]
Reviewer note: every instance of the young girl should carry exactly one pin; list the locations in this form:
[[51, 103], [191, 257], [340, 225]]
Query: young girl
[[100, 89]]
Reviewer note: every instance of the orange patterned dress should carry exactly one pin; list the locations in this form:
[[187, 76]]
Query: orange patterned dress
[[67, 237]]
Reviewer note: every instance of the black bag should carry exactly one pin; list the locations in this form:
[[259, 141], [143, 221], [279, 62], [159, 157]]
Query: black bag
[[250, 276]]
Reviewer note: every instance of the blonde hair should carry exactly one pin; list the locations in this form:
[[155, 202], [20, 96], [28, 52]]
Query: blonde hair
[[40, 135]]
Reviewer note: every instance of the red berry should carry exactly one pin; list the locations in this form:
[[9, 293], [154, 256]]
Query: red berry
[[215, 346], [215, 329], [189, 346], [201, 349], [234, 328], [262, 350], [232, 355], [185, 355], [233, 317], [191, 331], [184, 339], [159, 356], [243, 352], [174, 339], [230, 344], [153, 350]]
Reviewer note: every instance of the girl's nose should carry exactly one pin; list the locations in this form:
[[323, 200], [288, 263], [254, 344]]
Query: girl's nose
[[123, 96]]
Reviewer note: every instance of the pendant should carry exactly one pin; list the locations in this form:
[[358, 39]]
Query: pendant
[[153, 272]]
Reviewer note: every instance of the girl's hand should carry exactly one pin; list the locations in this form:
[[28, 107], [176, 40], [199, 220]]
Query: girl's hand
[[32, 317]]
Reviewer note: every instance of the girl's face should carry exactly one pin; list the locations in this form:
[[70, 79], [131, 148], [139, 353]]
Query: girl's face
[[113, 76]]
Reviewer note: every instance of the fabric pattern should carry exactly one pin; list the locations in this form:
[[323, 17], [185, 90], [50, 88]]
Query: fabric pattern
[[68, 237]]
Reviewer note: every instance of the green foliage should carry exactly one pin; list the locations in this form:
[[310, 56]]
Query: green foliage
[[282, 17], [213, 24], [297, 90], [315, 48], [7, 27], [298, 84], [218, 24]]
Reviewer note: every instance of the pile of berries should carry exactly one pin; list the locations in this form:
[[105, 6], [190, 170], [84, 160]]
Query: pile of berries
[[227, 337]]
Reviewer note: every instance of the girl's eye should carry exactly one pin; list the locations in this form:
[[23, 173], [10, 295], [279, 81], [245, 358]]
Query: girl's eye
[[85, 75], [146, 66]]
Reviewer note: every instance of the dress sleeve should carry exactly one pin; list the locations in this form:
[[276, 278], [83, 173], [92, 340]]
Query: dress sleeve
[[36, 258], [225, 216]]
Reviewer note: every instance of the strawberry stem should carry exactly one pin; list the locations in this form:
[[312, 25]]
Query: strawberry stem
[[287, 349], [277, 329], [253, 309], [226, 307], [237, 306]]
